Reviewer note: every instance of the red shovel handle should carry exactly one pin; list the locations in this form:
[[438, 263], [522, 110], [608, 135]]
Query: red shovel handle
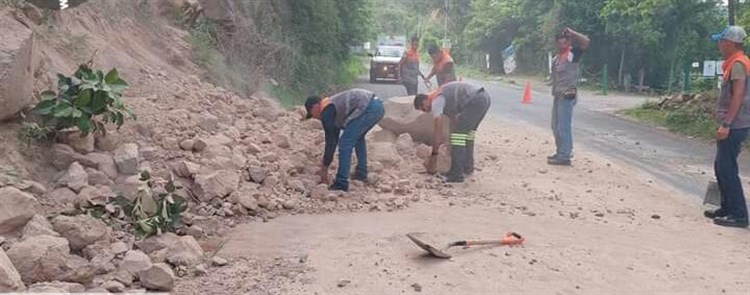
[[512, 238]]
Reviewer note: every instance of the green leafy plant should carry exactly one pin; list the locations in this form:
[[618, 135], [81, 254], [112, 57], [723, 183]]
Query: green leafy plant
[[168, 211], [32, 132], [87, 101]]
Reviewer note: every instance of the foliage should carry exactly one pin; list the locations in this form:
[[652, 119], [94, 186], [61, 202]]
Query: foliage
[[87, 101], [150, 212], [33, 132]]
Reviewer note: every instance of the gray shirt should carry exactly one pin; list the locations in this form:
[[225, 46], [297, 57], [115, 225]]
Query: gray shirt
[[738, 74]]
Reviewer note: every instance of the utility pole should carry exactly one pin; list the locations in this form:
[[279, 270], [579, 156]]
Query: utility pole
[[730, 8], [446, 41]]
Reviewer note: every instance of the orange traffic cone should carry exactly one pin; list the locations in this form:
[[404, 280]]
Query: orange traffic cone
[[527, 93]]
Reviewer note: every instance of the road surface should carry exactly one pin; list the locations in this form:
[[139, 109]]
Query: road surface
[[684, 164]]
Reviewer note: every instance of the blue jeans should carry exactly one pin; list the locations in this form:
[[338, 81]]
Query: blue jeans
[[353, 137], [728, 175], [562, 121]]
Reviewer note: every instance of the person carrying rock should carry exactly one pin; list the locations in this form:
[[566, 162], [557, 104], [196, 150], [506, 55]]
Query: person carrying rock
[[733, 114], [409, 68], [354, 111], [465, 105], [442, 66], [565, 92]]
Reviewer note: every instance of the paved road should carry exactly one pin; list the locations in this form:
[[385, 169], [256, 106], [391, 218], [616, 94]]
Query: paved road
[[683, 163]]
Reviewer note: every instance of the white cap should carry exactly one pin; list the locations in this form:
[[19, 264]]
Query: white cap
[[735, 34]]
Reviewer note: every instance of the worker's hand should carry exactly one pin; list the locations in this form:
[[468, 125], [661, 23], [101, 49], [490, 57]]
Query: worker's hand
[[324, 176], [432, 164], [722, 133], [567, 31]]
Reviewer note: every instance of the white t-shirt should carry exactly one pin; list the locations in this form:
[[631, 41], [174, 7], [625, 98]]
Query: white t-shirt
[[438, 105]]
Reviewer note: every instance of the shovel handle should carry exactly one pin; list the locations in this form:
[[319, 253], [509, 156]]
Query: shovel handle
[[510, 239]]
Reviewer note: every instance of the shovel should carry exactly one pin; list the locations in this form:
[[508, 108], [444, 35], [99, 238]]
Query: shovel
[[510, 239], [713, 196]]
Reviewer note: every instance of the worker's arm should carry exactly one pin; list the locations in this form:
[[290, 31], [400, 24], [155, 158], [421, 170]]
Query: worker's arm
[[432, 73], [582, 40], [738, 98], [328, 118], [437, 137]]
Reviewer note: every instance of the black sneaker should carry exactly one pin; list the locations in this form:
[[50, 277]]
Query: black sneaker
[[552, 157], [359, 177], [731, 221], [338, 187], [714, 213], [558, 162]]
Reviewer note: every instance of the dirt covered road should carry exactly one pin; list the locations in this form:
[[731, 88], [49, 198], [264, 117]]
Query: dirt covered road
[[597, 227]]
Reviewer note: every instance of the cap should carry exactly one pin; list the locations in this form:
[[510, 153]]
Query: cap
[[310, 103], [735, 34]]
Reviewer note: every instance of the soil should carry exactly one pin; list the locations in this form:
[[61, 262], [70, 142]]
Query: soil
[[596, 227]]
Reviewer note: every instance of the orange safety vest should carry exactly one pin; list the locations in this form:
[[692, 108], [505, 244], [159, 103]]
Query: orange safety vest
[[324, 103], [444, 60], [739, 57], [434, 94]]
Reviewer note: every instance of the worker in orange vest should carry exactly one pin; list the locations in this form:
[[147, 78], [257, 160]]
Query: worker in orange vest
[[442, 66], [409, 68]]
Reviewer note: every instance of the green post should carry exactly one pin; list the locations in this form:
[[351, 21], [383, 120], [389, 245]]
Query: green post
[[686, 83], [605, 81]]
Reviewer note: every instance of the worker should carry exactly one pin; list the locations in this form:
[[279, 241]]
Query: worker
[[465, 105], [355, 112], [409, 68], [733, 115], [565, 92], [442, 66]]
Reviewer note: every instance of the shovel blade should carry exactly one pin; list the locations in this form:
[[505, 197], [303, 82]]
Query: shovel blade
[[713, 196], [435, 252]]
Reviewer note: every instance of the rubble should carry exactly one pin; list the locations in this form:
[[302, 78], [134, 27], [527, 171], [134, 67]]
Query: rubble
[[16, 208], [159, 277], [75, 178], [80, 230], [10, 280], [186, 251], [134, 262], [47, 258], [38, 226], [216, 185], [126, 158]]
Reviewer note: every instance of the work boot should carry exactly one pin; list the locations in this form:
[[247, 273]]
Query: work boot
[[338, 187], [731, 221], [469, 154], [552, 157], [558, 162], [714, 213], [456, 174]]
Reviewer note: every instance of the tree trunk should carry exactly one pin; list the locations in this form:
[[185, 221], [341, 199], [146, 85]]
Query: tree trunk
[[622, 64]]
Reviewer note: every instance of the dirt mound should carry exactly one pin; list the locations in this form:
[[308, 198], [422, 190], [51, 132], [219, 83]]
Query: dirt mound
[[238, 158]]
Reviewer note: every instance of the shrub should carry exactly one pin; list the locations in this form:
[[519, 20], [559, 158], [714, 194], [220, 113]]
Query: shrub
[[87, 101]]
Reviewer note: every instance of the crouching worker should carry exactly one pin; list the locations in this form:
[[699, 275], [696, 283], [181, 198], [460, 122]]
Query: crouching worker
[[355, 112], [465, 105]]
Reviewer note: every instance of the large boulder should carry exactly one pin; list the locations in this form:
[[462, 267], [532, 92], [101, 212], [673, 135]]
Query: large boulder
[[16, 208], [16, 65], [401, 117], [47, 258], [186, 251], [10, 280], [80, 230], [216, 185], [385, 153]]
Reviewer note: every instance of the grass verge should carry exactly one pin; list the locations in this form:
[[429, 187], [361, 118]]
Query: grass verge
[[695, 125]]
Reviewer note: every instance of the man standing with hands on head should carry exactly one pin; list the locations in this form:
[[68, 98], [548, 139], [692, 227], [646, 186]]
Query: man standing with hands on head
[[565, 92], [355, 112], [733, 114]]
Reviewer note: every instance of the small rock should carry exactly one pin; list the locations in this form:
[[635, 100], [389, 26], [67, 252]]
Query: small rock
[[187, 144], [148, 153], [208, 122], [158, 242], [118, 248], [599, 214], [257, 174], [57, 285], [16, 208], [282, 141], [543, 171], [253, 149], [10, 280], [218, 261], [97, 177], [80, 230], [186, 169], [186, 251], [199, 144], [194, 231], [107, 143], [416, 287], [159, 277], [199, 270], [290, 204], [114, 286], [81, 144], [103, 162], [124, 277], [655, 216], [135, 261], [34, 187], [343, 283], [271, 181], [269, 157], [38, 226], [126, 159], [75, 178], [216, 185], [63, 195], [297, 185]]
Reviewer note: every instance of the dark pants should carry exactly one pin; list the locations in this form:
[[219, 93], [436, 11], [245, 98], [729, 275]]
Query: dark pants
[[463, 132], [728, 175], [353, 137], [411, 88]]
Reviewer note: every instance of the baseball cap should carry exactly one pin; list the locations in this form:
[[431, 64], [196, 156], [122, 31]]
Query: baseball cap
[[735, 34], [309, 103]]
